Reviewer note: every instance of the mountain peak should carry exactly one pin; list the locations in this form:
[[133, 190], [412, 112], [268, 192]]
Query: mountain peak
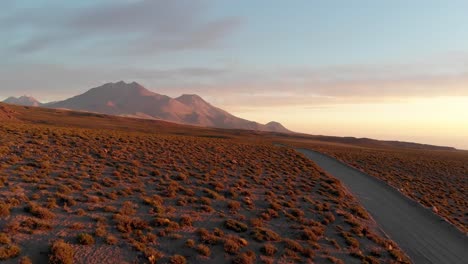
[[133, 100], [190, 96], [276, 126], [191, 99], [23, 100], [122, 87]]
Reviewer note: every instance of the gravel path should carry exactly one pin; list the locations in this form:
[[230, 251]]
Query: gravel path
[[423, 235]]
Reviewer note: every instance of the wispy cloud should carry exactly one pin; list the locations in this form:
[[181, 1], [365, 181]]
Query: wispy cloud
[[116, 27], [235, 87]]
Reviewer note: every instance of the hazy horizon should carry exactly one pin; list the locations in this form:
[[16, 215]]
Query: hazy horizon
[[393, 70]]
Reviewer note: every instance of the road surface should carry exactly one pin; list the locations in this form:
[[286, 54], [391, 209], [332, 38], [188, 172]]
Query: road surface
[[424, 236]]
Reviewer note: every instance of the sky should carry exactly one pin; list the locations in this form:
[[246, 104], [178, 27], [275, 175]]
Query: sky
[[395, 70]]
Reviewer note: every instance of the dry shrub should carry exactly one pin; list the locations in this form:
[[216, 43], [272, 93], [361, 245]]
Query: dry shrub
[[264, 234], [177, 259], [61, 253], [25, 260], [231, 246], [203, 250], [186, 220], [85, 239], [9, 251], [245, 258], [111, 240], [235, 225], [4, 239], [293, 245], [269, 249], [4, 209], [39, 211]]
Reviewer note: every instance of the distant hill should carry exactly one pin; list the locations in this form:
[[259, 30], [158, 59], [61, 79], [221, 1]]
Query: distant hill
[[372, 143], [23, 100], [134, 100]]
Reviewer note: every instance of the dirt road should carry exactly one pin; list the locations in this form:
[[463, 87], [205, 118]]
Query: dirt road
[[423, 235]]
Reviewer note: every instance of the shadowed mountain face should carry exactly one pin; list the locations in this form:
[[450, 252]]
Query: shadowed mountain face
[[23, 100], [133, 100]]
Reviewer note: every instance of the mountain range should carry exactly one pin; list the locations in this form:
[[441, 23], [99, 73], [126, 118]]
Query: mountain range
[[23, 100], [134, 100]]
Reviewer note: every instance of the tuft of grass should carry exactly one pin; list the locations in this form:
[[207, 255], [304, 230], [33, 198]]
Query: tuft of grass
[[111, 240], [25, 260], [231, 246], [269, 249], [40, 212], [177, 259], [61, 253], [4, 209], [85, 239], [203, 250], [235, 225], [264, 234], [9, 251], [245, 258], [4, 239], [186, 220]]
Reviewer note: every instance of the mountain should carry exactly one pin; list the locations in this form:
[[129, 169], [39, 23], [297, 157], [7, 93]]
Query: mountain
[[23, 100], [134, 100]]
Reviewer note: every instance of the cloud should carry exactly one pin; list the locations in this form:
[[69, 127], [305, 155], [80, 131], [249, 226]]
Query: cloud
[[238, 87], [116, 27]]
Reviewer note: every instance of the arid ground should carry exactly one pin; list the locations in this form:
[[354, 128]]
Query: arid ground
[[423, 235], [87, 188], [437, 179]]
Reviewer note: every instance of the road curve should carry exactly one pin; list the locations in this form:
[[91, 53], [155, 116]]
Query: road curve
[[423, 235]]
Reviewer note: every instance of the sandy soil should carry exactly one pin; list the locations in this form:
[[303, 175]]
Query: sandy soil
[[423, 235]]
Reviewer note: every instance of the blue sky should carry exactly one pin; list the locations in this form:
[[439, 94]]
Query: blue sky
[[245, 56]]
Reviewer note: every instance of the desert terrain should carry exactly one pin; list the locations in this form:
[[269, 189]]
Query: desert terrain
[[435, 178], [89, 188], [423, 235]]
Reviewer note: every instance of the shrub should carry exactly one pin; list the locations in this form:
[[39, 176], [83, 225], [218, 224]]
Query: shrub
[[4, 239], [110, 209], [359, 211], [111, 240], [206, 237], [39, 211], [397, 254], [128, 208], [76, 226], [203, 250], [61, 253], [25, 260], [293, 245], [231, 246], [244, 258], [234, 205], [177, 259], [85, 239], [9, 251], [36, 224], [186, 220], [153, 255], [263, 234], [269, 249], [308, 234], [4, 209], [235, 225], [190, 243], [100, 231]]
